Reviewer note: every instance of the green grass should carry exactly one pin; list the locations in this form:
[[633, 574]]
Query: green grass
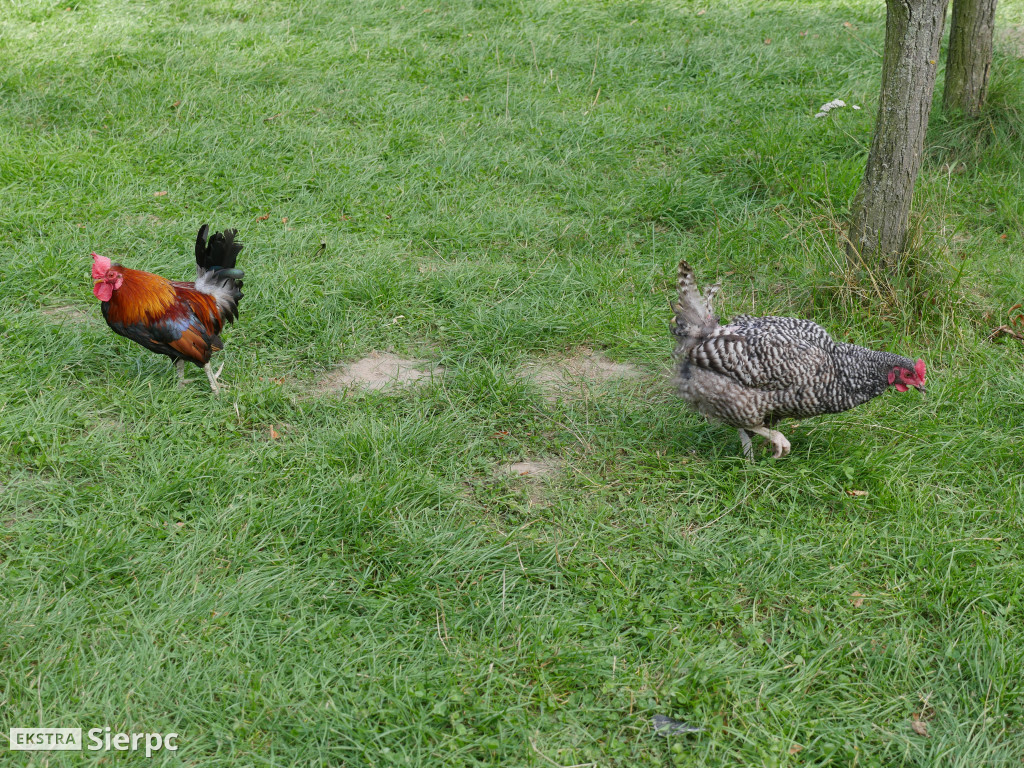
[[494, 183]]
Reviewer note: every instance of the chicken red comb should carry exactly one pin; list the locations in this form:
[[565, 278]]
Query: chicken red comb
[[919, 369], [100, 265]]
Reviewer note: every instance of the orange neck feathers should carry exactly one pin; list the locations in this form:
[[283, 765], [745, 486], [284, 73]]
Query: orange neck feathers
[[142, 297]]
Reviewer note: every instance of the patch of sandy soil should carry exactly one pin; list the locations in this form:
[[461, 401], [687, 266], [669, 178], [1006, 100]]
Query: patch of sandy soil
[[538, 468], [142, 219], [1011, 39], [586, 367], [533, 476], [378, 370], [66, 313], [107, 424]]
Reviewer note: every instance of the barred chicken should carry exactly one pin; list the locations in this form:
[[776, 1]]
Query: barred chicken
[[755, 371]]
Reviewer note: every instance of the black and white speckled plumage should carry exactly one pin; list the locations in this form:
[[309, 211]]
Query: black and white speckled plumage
[[754, 371]]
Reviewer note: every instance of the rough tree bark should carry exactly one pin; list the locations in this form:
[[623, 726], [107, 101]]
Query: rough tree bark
[[881, 209], [970, 55]]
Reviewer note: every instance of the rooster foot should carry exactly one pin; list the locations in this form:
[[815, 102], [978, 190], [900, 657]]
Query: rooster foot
[[213, 378], [180, 367]]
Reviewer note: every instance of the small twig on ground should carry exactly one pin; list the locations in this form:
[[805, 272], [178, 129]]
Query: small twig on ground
[[439, 614], [612, 572]]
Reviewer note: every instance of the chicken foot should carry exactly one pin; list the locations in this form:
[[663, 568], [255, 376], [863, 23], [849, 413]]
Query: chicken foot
[[213, 377], [780, 445]]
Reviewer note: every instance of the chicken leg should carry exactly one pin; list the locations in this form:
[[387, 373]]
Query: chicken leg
[[213, 377], [179, 364], [748, 449]]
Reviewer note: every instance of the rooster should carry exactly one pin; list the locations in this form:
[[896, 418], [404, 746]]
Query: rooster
[[177, 319], [755, 371]]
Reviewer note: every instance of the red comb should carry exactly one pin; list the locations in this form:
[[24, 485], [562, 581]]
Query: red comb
[[100, 265]]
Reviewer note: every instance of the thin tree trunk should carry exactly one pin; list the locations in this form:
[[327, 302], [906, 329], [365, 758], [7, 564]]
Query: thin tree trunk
[[970, 55], [881, 209]]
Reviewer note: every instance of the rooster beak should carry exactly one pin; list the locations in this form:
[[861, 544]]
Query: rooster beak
[[920, 388]]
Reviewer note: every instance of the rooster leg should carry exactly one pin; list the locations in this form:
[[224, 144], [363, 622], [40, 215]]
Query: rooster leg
[[780, 445], [179, 364], [213, 377], [748, 449]]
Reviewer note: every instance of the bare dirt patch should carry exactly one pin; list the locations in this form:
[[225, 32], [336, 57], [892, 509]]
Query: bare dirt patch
[[1011, 39], [562, 376], [536, 468], [378, 370], [66, 313], [142, 219], [106, 424], [533, 475]]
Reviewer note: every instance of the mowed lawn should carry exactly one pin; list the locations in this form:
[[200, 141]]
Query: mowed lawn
[[297, 573]]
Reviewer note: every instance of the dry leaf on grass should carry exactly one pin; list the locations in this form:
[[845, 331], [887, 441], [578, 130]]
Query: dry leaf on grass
[[858, 599], [920, 727], [1015, 327], [1007, 330], [855, 493], [273, 434], [159, 194], [795, 749]]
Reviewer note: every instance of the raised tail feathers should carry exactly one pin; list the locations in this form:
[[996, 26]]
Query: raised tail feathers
[[216, 273], [218, 253], [693, 315]]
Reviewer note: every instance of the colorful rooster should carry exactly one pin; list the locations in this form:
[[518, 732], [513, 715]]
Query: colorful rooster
[[177, 319]]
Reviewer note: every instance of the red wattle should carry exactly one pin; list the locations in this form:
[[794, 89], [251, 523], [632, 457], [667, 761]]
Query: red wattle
[[103, 291]]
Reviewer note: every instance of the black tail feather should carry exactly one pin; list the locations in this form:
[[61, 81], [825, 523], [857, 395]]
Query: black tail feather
[[220, 252], [216, 272]]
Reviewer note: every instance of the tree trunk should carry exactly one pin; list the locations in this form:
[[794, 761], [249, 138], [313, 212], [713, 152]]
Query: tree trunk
[[881, 209], [970, 55]]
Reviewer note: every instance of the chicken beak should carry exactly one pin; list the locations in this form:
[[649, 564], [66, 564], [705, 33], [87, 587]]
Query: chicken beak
[[920, 388]]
